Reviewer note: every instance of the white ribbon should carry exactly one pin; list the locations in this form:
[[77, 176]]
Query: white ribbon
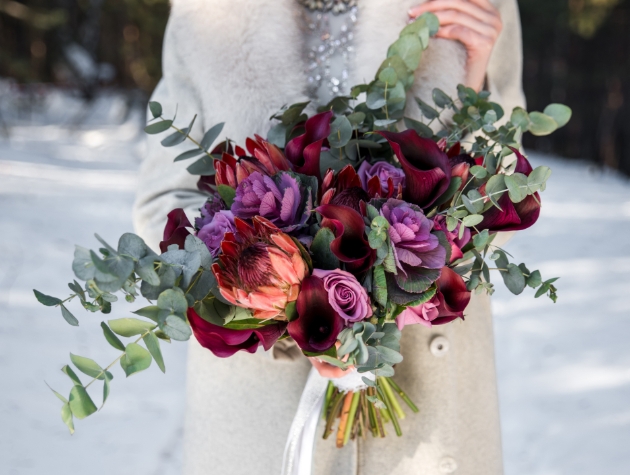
[[298, 451]]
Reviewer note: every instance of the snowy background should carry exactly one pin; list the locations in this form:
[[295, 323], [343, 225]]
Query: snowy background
[[564, 369]]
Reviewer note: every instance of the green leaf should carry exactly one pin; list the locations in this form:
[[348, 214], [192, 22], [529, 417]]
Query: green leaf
[[291, 311], [472, 206], [558, 112], [80, 403], [534, 279], [340, 132], [211, 135], [421, 129], [214, 311], [478, 172], [441, 99], [380, 286], [517, 187], [59, 396], [87, 366], [128, 327], [427, 111], [71, 319], [155, 108], [46, 299], [481, 240], [176, 328], [188, 154], [111, 338], [158, 127], [514, 279], [72, 375], [356, 118], [472, 220], [203, 166], [388, 76], [520, 118], [151, 312], [456, 182], [541, 124], [495, 188], [388, 355], [82, 265], [106, 386], [173, 300], [175, 138], [66, 417], [409, 48], [136, 359], [153, 345], [227, 194], [537, 179], [320, 249]]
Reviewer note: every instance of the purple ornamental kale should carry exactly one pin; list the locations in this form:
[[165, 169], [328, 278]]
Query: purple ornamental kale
[[209, 209], [411, 238], [212, 233], [281, 199], [384, 171]]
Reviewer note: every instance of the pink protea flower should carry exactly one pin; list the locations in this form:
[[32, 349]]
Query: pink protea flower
[[260, 268]]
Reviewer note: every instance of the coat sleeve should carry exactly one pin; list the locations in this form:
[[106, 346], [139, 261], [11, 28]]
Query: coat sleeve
[[162, 184], [505, 69]]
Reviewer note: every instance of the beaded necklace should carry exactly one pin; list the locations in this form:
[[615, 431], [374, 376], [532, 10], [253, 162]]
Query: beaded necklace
[[333, 6]]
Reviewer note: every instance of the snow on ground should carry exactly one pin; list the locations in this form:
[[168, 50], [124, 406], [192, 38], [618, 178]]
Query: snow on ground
[[564, 369]]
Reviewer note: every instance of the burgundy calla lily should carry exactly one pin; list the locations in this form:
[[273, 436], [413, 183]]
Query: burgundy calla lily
[[318, 325], [303, 151], [224, 342], [515, 216], [427, 169], [175, 231], [349, 245]]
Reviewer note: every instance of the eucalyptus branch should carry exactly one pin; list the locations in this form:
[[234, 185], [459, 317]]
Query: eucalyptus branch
[[190, 138], [116, 360]]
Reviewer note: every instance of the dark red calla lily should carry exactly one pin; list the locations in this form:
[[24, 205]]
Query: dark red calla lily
[[514, 216], [318, 325], [452, 295], [427, 169], [303, 151], [349, 245], [175, 231], [224, 342]]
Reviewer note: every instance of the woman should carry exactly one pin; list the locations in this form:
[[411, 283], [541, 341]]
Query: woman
[[239, 61]]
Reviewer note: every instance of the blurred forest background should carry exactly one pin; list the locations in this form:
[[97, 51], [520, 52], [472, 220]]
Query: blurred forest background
[[576, 52]]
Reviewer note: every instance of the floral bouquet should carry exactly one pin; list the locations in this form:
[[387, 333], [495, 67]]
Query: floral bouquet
[[337, 231]]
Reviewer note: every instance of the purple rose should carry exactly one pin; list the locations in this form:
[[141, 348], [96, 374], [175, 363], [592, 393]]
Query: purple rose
[[410, 234], [210, 208], [212, 233], [385, 173], [346, 296], [280, 199]]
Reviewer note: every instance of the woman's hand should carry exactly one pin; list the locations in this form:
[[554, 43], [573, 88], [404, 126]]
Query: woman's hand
[[475, 23]]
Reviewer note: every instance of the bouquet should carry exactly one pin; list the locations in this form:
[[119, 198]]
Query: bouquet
[[337, 231]]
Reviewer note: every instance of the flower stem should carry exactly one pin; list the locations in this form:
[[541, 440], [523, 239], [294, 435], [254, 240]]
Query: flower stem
[[403, 395], [392, 399], [390, 409], [329, 393], [332, 415], [351, 417], [345, 412]]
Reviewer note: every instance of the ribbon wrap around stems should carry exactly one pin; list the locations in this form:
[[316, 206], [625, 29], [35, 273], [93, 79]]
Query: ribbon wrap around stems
[[298, 451]]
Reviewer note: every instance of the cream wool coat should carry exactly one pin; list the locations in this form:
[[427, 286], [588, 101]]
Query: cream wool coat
[[239, 61]]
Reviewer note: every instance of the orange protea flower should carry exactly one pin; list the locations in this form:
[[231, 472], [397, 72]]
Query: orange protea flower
[[260, 268]]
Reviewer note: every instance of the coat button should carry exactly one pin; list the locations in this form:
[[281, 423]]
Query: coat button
[[439, 346], [447, 464]]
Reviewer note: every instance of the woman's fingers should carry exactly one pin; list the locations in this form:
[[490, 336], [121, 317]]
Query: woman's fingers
[[479, 15], [473, 40], [453, 17], [327, 370]]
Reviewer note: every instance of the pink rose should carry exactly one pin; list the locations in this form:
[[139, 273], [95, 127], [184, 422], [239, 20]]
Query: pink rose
[[423, 314], [345, 294]]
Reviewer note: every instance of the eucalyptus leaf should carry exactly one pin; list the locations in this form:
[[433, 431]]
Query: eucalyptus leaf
[[517, 187], [46, 299], [155, 108], [82, 265], [541, 124], [513, 279], [136, 359], [176, 328], [66, 417], [153, 345], [560, 113], [188, 154], [158, 127], [87, 366], [421, 129], [128, 327], [211, 135], [80, 403], [111, 338]]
